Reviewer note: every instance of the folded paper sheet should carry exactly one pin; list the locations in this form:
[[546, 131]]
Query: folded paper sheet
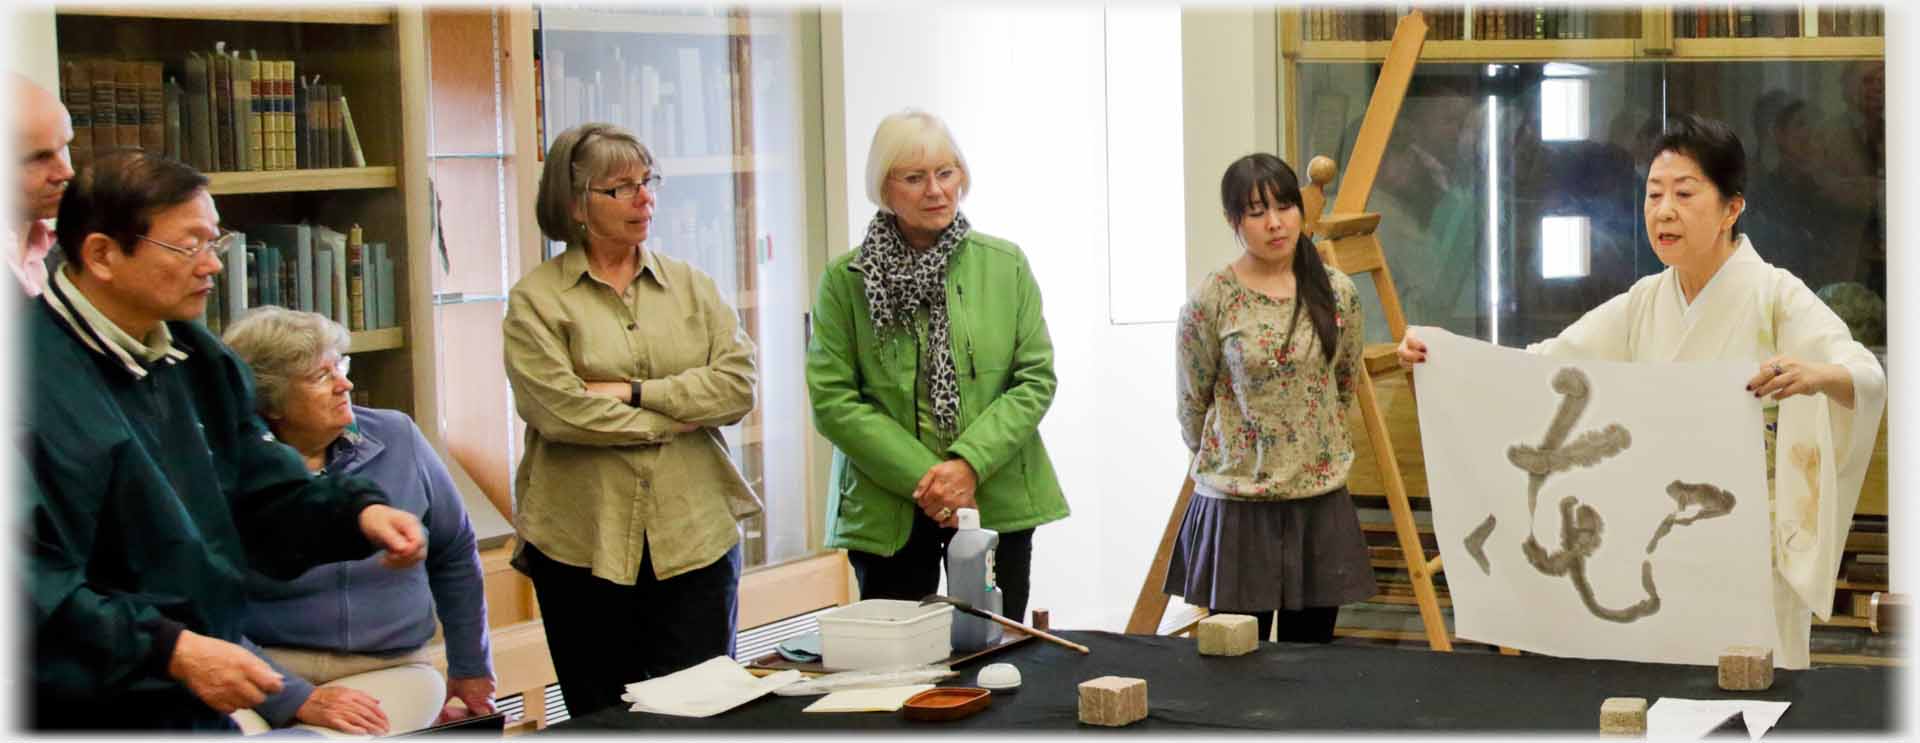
[[705, 690], [887, 699], [1597, 509], [1692, 719]]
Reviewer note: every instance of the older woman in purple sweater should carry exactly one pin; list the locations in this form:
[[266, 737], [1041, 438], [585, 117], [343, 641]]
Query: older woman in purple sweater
[[356, 629]]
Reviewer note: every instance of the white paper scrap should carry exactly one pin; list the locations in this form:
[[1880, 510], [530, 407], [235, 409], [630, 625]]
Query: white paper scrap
[[1692, 719], [886, 699], [705, 690]]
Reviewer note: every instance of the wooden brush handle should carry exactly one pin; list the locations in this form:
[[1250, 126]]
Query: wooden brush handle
[[1044, 635]]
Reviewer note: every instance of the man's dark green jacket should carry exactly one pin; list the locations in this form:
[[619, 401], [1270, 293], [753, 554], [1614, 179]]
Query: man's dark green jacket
[[153, 491]]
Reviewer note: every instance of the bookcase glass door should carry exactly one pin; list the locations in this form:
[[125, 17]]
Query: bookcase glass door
[[472, 255], [1511, 193], [711, 92]]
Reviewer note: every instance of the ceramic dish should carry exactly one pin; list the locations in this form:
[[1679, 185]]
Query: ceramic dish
[[1000, 677], [943, 704]]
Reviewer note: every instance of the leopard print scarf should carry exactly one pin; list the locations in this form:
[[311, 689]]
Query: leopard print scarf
[[901, 280]]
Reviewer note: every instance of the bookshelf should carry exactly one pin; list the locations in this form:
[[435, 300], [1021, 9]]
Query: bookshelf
[[1478, 32], [367, 15], [319, 179], [364, 50]]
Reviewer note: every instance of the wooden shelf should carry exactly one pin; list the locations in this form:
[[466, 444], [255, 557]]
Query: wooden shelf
[[361, 15], [384, 339], [282, 181], [1831, 47], [619, 21], [1477, 51]]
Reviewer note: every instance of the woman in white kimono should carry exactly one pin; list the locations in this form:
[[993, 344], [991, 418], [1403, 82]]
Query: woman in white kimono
[[1717, 300]]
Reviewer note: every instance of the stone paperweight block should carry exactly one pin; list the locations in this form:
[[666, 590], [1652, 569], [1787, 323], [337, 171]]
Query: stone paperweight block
[[1113, 701], [1746, 668], [1623, 717], [1228, 634]]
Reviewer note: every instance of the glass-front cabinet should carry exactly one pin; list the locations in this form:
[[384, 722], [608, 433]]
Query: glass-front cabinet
[[1511, 192], [715, 94]]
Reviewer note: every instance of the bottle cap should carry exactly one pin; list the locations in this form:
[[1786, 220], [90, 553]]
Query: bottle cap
[[969, 518]]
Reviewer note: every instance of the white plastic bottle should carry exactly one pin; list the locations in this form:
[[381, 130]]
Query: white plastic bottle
[[970, 578]]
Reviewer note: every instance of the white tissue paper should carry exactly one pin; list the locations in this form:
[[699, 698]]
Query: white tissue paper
[[1691, 719], [705, 690]]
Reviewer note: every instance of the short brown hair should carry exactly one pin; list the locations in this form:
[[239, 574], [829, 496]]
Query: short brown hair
[[578, 156]]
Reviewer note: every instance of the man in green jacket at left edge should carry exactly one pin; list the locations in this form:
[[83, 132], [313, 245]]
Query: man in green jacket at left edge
[[155, 491]]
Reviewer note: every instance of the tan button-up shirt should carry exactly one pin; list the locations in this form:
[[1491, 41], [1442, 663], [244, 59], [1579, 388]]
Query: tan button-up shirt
[[602, 480]]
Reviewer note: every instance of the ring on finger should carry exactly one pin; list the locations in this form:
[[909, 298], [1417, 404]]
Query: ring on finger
[[1778, 370]]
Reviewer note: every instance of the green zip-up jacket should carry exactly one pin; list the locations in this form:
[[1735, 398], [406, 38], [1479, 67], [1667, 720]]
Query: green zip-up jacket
[[153, 491], [866, 399]]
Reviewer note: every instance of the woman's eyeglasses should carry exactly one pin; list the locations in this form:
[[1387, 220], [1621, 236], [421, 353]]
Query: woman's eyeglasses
[[336, 370], [626, 191]]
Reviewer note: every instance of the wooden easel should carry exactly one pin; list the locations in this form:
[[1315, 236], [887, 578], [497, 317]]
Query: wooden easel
[[1346, 240]]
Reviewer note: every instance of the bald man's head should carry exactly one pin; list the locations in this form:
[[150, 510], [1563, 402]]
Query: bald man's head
[[42, 131]]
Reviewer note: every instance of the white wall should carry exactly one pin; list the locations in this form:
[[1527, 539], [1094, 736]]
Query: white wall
[[30, 37], [1024, 92], [1230, 89]]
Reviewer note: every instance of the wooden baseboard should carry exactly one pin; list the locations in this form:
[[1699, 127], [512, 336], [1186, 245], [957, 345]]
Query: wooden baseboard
[[792, 588]]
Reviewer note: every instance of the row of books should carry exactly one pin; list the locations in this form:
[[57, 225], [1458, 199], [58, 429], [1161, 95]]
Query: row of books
[[1458, 24], [681, 107], [311, 268], [1852, 22], [232, 113], [1729, 22]]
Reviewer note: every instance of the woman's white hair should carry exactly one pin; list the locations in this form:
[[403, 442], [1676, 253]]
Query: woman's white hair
[[281, 346], [909, 135]]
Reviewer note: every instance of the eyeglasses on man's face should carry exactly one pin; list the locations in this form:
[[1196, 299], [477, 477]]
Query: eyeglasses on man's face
[[626, 191], [218, 245]]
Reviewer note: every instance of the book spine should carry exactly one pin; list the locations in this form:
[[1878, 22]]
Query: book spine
[[386, 296], [356, 280], [126, 98], [76, 91], [257, 112], [176, 147], [336, 129], [355, 157], [287, 159], [238, 268], [221, 70], [153, 107]]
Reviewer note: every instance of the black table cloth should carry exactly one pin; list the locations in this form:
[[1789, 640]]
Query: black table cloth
[[1286, 686]]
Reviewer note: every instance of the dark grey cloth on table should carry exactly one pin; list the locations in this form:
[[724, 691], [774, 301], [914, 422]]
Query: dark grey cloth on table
[[1292, 687], [1263, 555]]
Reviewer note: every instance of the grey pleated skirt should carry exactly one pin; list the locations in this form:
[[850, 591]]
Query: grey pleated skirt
[[1264, 555]]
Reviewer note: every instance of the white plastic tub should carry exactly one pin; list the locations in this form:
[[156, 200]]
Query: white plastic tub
[[878, 633]]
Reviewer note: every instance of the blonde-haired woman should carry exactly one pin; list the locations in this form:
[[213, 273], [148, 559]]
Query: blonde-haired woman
[[929, 370], [623, 363]]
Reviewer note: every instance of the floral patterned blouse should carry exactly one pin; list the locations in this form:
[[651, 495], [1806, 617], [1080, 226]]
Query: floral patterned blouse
[[1265, 417]]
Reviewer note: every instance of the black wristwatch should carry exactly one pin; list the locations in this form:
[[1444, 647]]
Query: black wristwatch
[[634, 386]]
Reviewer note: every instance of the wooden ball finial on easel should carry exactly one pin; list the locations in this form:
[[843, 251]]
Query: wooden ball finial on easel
[[1320, 170]]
